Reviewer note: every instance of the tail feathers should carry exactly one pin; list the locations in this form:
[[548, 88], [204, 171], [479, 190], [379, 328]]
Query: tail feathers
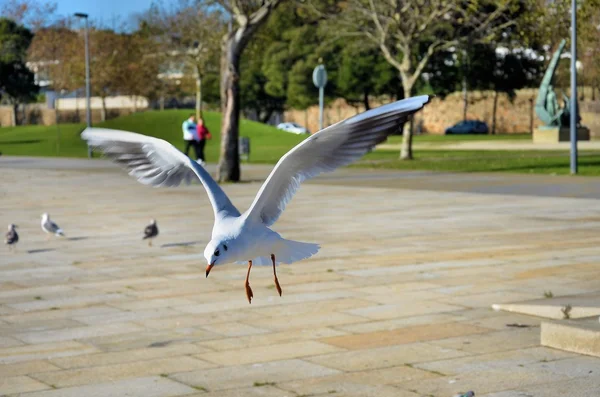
[[293, 251], [287, 251], [59, 232]]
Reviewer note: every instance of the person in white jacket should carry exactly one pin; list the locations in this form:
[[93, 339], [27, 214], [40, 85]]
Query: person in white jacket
[[189, 135]]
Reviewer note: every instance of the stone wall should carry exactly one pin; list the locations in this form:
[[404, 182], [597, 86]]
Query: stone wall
[[517, 116], [40, 114]]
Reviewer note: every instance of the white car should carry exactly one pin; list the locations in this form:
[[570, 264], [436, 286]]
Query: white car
[[293, 128]]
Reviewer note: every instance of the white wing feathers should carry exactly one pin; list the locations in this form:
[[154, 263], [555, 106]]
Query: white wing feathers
[[328, 149], [155, 162]]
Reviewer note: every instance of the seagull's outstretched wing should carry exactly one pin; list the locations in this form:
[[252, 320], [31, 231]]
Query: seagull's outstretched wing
[[328, 149], [156, 162]]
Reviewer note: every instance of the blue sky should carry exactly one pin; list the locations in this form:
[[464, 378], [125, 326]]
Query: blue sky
[[103, 11]]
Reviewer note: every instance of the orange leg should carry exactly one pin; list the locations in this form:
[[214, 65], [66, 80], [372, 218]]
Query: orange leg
[[275, 275], [249, 293]]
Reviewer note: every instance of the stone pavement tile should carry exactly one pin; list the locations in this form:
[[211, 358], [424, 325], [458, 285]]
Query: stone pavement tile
[[233, 329], [404, 297], [65, 334], [318, 319], [588, 386], [149, 338], [389, 325], [10, 329], [66, 302], [250, 374], [20, 384], [126, 316], [82, 376], [97, 359], [501, 321], [154, 386], [5, 310], [482, 382], [343, 388], [187, 320], [511, 339], [500, 360], [383, 312], [362, 383], [579, 366], [151, 303], [252, 341], [318, 286], [488, 299], [397, 287], [55, 313], [308, 307], [383, 357], [270, 352], [254, 391], [44, 351], [418, 333], [30, 367], [6, 341]]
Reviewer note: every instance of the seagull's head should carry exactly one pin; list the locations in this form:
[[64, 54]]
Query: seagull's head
[[217, 252], [12, 226], [153, 221], [45, 216]]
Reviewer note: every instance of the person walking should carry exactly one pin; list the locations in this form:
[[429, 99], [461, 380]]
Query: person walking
[[189, 135], [203, 135]]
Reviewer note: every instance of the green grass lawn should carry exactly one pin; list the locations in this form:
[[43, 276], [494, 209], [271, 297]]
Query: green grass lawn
[[449, 139], [267, 144], [514, 161]]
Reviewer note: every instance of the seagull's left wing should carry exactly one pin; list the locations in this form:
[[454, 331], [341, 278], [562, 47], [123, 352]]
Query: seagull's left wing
[[156, 162], [328, 149]]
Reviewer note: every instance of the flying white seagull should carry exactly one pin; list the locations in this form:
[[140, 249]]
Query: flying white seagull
[[50, 227], [248, 237]]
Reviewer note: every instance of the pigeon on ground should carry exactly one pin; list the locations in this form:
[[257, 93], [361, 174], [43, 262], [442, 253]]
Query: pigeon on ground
[[12, 238], [150, 232]]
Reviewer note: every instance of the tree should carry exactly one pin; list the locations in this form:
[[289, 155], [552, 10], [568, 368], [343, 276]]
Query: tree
[[35, 14], [16, 80], [408, 34], [246, 17], [190, 33], [58, 52]]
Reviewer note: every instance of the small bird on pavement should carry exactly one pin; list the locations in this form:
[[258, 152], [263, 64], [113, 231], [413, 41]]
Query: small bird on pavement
[[50, 227], [12, 238], [150, 231]]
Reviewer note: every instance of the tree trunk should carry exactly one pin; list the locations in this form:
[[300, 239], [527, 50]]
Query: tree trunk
[[198, 95], [103, 114], [366, 100], [407, 133], [14, 120], [495, 108], [593, 91], [465, 98], [229, 162]]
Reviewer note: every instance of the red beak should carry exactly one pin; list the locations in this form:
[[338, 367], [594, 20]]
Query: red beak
[[208, 268]]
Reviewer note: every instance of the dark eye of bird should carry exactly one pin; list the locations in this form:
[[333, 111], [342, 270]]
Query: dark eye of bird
[[225, 247], [217, 253]]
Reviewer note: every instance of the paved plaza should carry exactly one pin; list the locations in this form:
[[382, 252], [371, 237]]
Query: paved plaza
[[397, 303]]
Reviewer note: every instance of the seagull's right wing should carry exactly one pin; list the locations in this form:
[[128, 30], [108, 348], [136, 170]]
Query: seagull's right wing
[[156, 162]]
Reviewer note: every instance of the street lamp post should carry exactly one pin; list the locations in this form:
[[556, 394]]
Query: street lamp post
[[88, 109], [574, 110]]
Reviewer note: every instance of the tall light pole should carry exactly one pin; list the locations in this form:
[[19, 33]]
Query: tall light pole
[[88, 109], [574, 109]]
